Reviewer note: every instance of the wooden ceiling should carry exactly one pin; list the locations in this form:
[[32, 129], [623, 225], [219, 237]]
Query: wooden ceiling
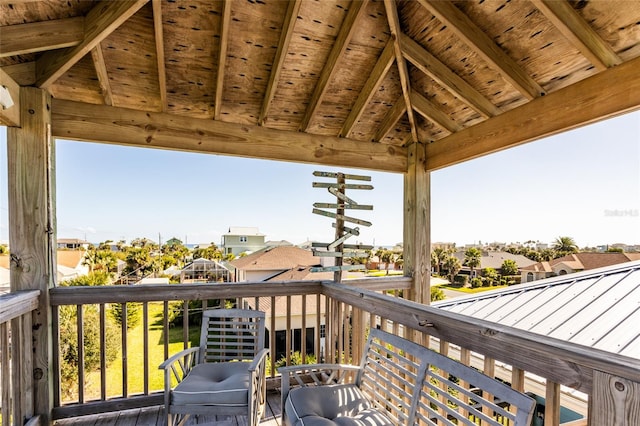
[[339, 82]]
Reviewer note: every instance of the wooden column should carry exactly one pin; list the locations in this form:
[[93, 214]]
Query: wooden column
[[417, 224], [31, 237], [615, 401]]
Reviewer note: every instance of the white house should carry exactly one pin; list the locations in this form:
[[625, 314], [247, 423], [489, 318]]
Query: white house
[[242, 240]]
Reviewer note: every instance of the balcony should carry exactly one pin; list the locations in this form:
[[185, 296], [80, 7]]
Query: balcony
[[546, 367]]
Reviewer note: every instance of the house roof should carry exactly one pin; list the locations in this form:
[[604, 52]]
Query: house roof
[[70, 258], [276, 258], [582, 261], [597, 308], [243, 230], [336, 82]]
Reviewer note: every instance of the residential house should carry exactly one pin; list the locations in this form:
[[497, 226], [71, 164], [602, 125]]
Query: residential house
[[492, 259], [597, 308], [574, 263], [271, 261], [70, 264], [72, 244], [242, 240]]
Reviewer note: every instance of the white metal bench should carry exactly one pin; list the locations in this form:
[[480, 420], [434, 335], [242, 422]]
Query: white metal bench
[[398, 382]]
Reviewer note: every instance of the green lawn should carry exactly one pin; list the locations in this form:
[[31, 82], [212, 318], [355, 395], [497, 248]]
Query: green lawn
[[135, 358], [472, 290]]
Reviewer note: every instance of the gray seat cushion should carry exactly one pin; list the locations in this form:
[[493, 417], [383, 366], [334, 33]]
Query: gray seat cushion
[[342, 405], [221, 383]]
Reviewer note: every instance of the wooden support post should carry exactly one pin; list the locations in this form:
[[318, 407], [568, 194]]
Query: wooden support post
[[32, 237], [417, 218], [615, 401]]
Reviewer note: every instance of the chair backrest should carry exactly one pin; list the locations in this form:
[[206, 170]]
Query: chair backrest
[[231, 334], [391, 372], [445, 401]]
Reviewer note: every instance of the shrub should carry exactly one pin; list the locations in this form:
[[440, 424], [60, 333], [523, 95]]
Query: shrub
[[437, 294], [463, 280], [133, 314], [476, 282]]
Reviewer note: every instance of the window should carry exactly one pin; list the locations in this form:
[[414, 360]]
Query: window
[[323, 331], [243, 239]]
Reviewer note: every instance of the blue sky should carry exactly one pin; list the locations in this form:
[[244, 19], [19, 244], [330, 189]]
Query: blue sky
[[584, 184]]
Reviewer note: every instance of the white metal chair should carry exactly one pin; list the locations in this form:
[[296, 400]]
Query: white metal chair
[[225, 375]]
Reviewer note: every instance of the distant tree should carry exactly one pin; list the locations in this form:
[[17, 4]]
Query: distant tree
[[212, 252], [614, 250], [133, 314], [175, 250], [564, 246], [438, 257], [4, 249], [437, 294], [139, 259], [546, 255], [509, 267], [92, 279], [452, 266], [490, 276], [472, 258], [144, 243], [100, 260]]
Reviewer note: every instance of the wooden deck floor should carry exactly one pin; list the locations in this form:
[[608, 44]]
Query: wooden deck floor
[[151, 416]]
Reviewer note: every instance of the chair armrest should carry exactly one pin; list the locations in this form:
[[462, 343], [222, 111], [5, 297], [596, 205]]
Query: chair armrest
[[260, 358], [314, 375], [257, 387], [167, 363]]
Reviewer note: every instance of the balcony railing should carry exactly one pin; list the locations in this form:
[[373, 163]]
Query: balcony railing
[[298, 312]]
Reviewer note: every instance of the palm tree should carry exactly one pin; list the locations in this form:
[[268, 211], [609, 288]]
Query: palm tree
[[472, 259], [565, 245], [452, 265]]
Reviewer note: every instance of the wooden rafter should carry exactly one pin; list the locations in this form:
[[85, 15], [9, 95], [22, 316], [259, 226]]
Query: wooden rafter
[[281, 54], [342, 41], [431, 112], [452, 82], [101, 21], [579, 33], [606, 94], [371, 85], [159, 38], [474, 37], [103, 75], [394, 26], [40, 36], [391, 119], [100, 123], [222, 56], [24, 74]]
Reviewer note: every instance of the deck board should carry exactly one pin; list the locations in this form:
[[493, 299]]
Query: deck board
[[150, 416]]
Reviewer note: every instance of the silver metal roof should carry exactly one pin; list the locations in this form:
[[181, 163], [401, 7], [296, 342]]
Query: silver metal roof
[[599, 308]]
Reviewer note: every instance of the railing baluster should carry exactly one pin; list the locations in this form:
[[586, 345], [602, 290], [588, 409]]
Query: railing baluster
[[185, 324], [145, 342], [303, 331], [55, 323], [80, 337], [103, 352], [552, 404], [165, 327], [272, 337], [5, 382], [287, 338], [125, 352]]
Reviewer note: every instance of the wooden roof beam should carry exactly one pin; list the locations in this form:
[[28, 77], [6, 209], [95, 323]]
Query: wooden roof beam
[[431, 112], [391, 119], [101, 123], [103, 75], [222, 56], [281, 54], [10, 116], [342, 41], [394, 26], [474, 37], [374, 81], [40, 36], [604, 95], [159, 37], [101, 21], [452, 82], [579, 33]]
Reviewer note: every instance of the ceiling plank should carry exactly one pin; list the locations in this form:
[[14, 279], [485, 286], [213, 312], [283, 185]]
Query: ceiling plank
[[103, 75], [10, 116], [159, 37], [474, 37], [394, 26], [339, 46], [40, 36], [456, 85], [579, 33], [391, 119], [222, 57], [380, 70], [100, 123], [290, 19], [604, 95], [431, 112], [101, 21]]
